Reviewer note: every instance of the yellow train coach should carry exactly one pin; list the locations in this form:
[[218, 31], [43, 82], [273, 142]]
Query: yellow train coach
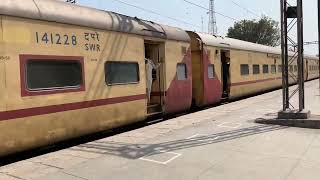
[[226, 68], [67, 71]]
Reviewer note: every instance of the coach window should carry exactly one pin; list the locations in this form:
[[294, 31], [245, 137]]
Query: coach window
[[265, 69], [280, 68], [181, 71], [211, 71], [291, 68], [256, 69], [117, 73], [53, 74], [273, 69], [244, 69]]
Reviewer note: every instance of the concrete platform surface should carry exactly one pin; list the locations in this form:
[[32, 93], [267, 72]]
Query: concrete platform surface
[[222, 143]]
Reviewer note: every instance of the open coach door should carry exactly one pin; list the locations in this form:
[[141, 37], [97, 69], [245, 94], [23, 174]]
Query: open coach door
[[225, 74], [154, 52]]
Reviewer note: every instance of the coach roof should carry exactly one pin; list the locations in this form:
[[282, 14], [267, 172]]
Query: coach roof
[[225, 42], [231, 43], [61, 12]]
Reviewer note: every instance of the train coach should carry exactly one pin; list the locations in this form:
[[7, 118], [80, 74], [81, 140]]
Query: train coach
[[225, 68], [67, 71]]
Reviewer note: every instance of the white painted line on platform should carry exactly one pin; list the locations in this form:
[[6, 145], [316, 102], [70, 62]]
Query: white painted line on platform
[[173, 158], [161, 162], [230, 125]]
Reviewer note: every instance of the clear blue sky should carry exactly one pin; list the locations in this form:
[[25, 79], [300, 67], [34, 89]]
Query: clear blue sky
[[181, 10]]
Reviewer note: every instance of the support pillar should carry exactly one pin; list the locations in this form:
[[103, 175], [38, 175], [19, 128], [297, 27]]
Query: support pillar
[[295, 13]]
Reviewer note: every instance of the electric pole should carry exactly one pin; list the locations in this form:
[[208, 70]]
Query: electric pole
[[212, 18], [202, 29], [294, 15]]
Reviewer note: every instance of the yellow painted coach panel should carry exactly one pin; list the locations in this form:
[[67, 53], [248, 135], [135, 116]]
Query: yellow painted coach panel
[[242, 85], [21, 134], [173, 56], [197, 83], [113, 47], [3, 91], [3, 60], [96, 47], [215, 58], [196, 61], [1, 36], [313, 69]]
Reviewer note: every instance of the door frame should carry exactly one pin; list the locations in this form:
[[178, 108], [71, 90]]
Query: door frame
[[225, 73], [161, 71]]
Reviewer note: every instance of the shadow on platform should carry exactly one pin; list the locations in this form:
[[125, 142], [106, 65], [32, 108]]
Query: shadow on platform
[[134, 151], [312, 123]]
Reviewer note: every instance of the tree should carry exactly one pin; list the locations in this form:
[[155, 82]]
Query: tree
[[264, 31]]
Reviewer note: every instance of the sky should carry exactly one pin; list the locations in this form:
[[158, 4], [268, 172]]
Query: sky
[[181, 14]]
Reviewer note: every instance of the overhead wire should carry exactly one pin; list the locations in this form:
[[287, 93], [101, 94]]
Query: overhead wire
[[156, 13], [202, 7], [244, 8]]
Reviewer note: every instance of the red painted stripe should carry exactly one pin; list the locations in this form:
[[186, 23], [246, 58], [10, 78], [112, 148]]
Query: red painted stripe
[[21, 113], [253, 82]]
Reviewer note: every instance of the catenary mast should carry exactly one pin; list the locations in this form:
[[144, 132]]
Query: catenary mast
[[212, 18]]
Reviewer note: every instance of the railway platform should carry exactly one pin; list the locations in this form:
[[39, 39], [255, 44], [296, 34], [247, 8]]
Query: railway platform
[[223, 142]]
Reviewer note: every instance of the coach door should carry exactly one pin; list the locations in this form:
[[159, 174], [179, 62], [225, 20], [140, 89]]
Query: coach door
[[154, 52], [225, 73]]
